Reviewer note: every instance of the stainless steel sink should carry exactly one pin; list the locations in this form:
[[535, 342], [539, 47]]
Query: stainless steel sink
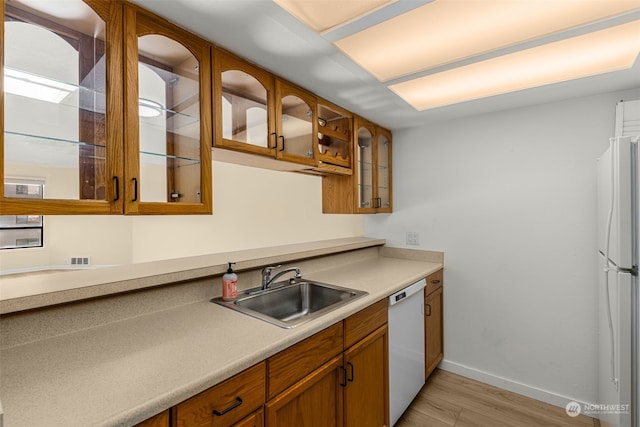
[[291, 303]]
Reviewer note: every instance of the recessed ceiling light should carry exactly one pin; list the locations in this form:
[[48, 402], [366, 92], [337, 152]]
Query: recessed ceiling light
[[445, 31], [326, 15], [587, 55]]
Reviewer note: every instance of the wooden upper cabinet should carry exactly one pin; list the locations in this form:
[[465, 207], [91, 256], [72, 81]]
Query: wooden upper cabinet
[[373, 168], [369, 189], [244, 106], [296, 124], [259, 114], [62, 123], [61, 117], [167, 117]]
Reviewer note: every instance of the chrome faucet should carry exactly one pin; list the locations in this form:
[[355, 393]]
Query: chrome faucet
[[267, 280]]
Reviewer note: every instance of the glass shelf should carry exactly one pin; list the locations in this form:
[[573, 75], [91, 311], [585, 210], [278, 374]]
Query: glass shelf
[[48, 138], [183, 161]]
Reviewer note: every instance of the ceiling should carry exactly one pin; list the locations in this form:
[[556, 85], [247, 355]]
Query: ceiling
[[264, 33]]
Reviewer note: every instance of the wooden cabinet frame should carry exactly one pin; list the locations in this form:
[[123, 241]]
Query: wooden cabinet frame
[[225, 61], [284, 89], [433, 322], [121, 145], [340, 194], [138, 23], [111, 13]]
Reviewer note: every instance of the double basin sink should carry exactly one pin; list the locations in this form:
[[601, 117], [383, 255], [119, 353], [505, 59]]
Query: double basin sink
[[291, 303]]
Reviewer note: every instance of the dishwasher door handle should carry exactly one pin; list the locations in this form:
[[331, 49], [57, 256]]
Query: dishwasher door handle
[[407, 292]]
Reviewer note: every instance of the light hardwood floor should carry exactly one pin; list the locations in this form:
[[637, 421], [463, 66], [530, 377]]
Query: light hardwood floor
[[451, 400]]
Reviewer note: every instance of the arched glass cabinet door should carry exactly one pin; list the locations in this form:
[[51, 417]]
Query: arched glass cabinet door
[[167, 118], [62, 107], [296, 125], [364, 165], [243, 106]]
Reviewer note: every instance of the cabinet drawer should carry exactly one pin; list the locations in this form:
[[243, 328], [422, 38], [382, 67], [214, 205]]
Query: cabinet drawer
[[290, 365], [434, 281], [225, 403], [364, 322], [160, 420]]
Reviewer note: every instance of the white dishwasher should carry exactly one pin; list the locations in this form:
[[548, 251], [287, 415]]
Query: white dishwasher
[[406, 347]]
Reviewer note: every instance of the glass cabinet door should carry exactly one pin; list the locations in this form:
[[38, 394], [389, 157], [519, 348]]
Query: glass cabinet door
[[334, 135], [62, 122], [383, 198], [168, 132], [244, 106], [297, 118], [365, 168]]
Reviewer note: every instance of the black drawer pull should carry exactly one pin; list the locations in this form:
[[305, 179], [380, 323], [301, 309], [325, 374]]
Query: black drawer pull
[[230, 408], [435, 281]]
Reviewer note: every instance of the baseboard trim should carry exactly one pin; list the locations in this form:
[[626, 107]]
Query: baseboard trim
[[506, 384]]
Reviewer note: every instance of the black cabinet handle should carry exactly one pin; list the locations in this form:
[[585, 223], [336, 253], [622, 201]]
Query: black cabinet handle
[[352, 372], [116, 183], [135, 189], [344, 376], [230, 408], [282, 138], [429, 313], [275, 140], [435, 281]]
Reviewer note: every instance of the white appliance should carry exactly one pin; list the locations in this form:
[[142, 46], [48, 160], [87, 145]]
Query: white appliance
[[406, 347], [618, 293]]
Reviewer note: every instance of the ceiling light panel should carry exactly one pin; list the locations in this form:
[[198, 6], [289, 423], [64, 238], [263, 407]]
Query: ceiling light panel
[[591, 54], [446, 31], [325, 15]]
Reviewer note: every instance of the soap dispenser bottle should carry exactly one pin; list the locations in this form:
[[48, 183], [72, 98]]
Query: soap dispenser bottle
[[229, 284]]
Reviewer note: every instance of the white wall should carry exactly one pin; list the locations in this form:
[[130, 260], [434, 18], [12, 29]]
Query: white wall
[[510, 198], [252, 208]]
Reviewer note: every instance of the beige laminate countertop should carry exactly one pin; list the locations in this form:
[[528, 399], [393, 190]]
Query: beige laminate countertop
[[27, 291], [122, 373]]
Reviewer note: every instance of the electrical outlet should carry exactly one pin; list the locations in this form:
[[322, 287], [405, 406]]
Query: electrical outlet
[[413, 238], [79, 260]]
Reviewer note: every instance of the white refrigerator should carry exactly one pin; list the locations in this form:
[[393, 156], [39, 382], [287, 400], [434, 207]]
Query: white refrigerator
[[618, 293]]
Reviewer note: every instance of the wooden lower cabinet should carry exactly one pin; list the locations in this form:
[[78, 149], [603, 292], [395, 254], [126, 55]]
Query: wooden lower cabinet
[[366, 401], [337, 377], [160, 420], [350, 389], [226, 404], [254, 420], [433, 322], [315, 401]]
